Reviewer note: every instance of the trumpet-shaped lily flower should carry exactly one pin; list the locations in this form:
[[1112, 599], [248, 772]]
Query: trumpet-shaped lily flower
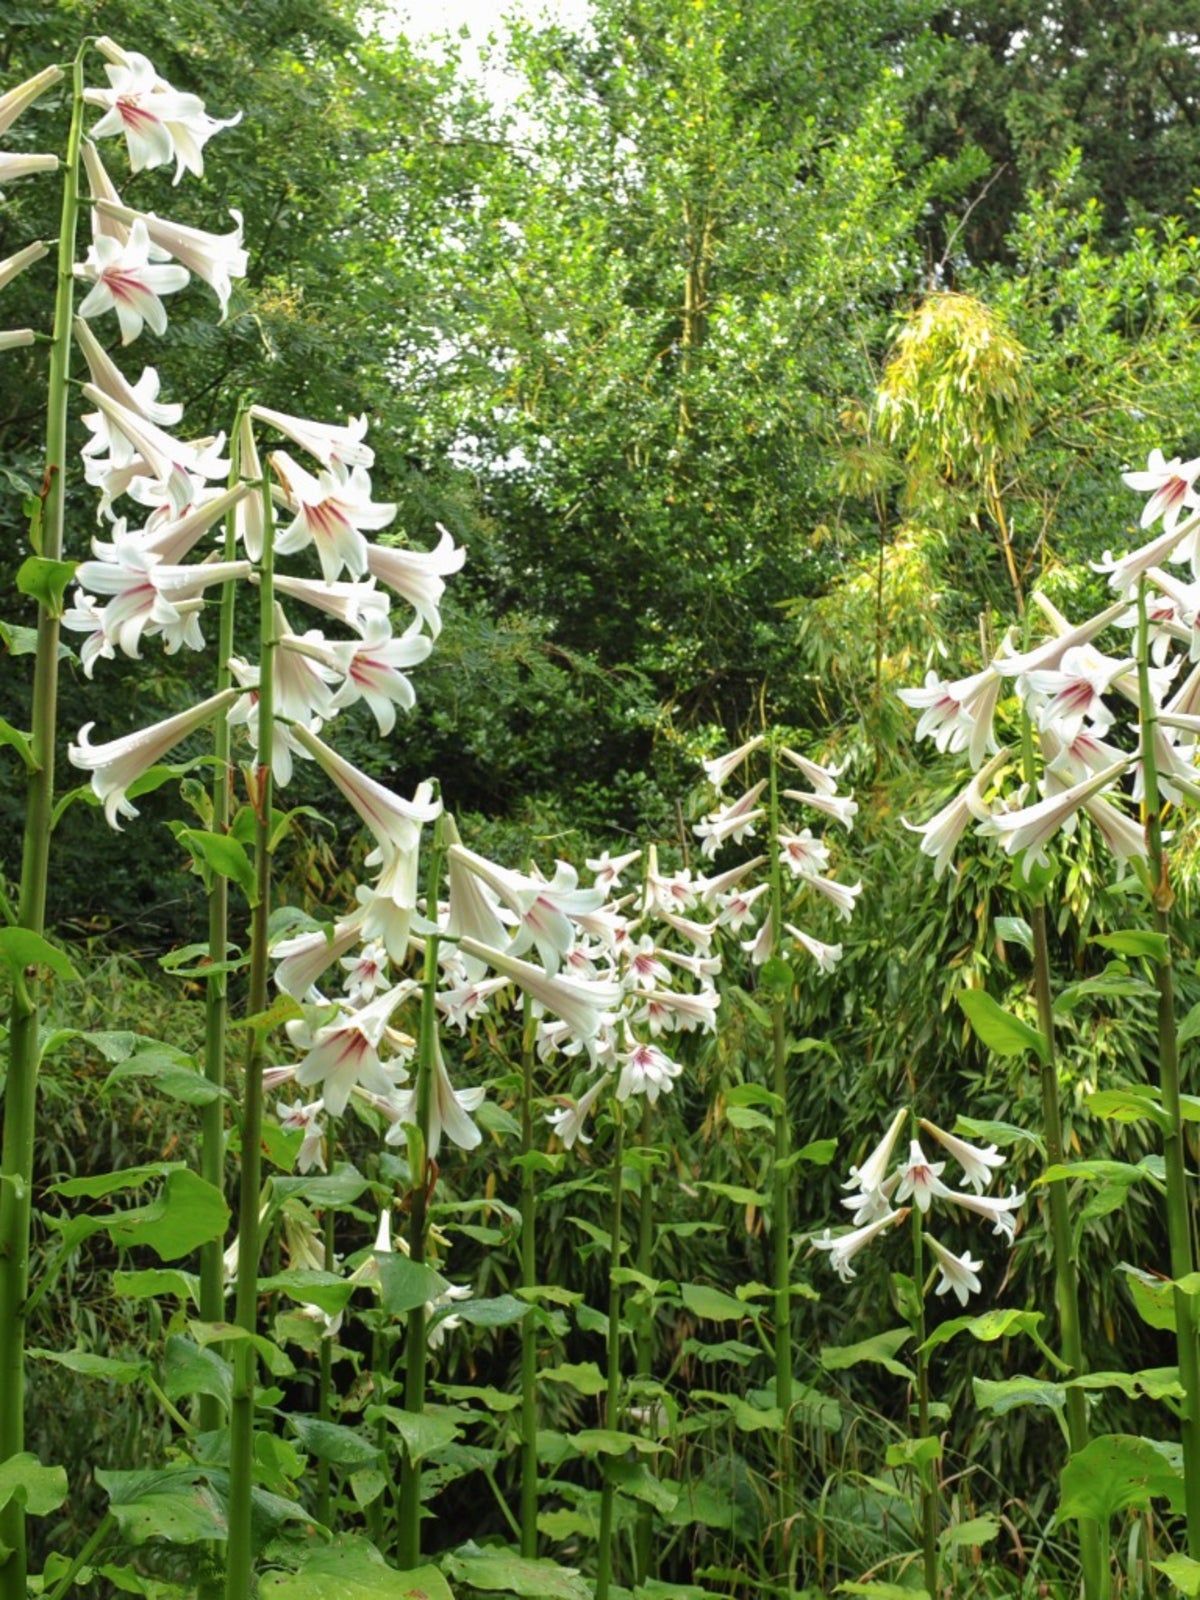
[[958, 1273], [119, 763], [140, 398], [840, 808], [344, 1052], [823, 778], [606, 870], [303, 958], [123, 280], [373, 669], [1171, 486], [737, 908], [803, 853], [999, 1211], [734, 821], [1180, 542], [840, 895], [334, 445], [670, 1011], [299, 1118], [826, 956], [921, 1178], [395, 822], [569, 1118], [646, 1070], [16, 264], [466, 1001], [940, 835], [1049, 654], [418, 576], [215, 258], [1032, 827], [14, 166], [544, 911], [714, 890], [956, 715], [360, 606], [579, 1002], [870, 1176], [19, 99], [674, 892], [159, 124], [719, 769], [761, 947], [449, 1110], [365, 973], [846, 1246], [331, 513], [168, 461], [978, 1162], [1075, 690]]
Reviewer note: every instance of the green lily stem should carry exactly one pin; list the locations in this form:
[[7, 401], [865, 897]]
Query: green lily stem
[[381, 1382], [644, 1359], [325, 1382], [239, 1551], [103, 1533], [927, 1470], [612, 1375], [1179, 1232], [529, 1454], [1066, 1276], [216, 994], [423, 1177], [20, 1095], [781, 1208]]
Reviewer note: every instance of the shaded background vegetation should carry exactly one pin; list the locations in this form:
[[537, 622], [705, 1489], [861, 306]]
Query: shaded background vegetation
[[625, 339]]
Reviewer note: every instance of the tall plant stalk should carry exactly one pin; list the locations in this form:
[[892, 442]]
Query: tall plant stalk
[[239, 1551], [1179, 1231], [325, 1379], [529, 1453], [1066, 1277], [644, 1357], [20, 1094], [423, 1175], [781, 1200], [926, 1470], [612, 1376]]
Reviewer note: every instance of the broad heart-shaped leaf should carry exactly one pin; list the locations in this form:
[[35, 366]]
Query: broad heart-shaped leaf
[[45, 581], [998, 1029], [330, 1441], [1182, 1572], [990, 1326], [102, 1183], [1135, 942], [1127, 1105], [172, 1503], [879, 1351], [87, 1365], [189, 1370], [39, 1489], [222, 854], [404, 1285], [1006, 1394], [277, 1362], [583, 1376], [1119, 1471], [21, 948], [513, 1574], [1153, 1297], [351, 1569], [913, 1452], [153, 1281], [189, 1212], [174, 1073], [423, 1433], [611, 1442], [1014, 930], [496, 1313], [310, 1287], [713, 1305]]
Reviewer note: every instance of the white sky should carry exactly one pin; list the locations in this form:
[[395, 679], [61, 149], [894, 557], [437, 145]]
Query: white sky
[[422, 19]]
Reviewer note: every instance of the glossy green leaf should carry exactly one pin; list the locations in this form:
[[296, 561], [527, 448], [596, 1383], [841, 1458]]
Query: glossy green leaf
[[990, 1326], [501, 1570], [170, 1503], [880, 1350], [998, 1029], [22, 948], [1119, 1472], [45, 581], [41, 1490]]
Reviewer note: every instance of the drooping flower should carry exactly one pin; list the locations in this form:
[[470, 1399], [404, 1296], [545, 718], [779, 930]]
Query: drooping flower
[[334, 445], [840, 895], [999, 1211], [544, 910], [978, 1162], [1075, 690], [330, 513], [956, 715], [119, 763], [14, 101], [606, 870], [841, 808], [870, 1176], [720, 768], [826, 956], [1171, 486], [365, 972], [215, 258], [921, 1178], [123, 280], [569, 1119], [823, 778], [168, 461], [713, 890], [737, 907], [373, 669], [396, 823], [14, 165], [159, 123], [16, 264], [1032, 827], [802, 853], [466, 1001], [449, 1110], [307, 1119], [846, 1246], [580, 1002], [958, 1273], [418, 576], [645, 1069], [344, 1052], [304, 957], [941, 834], [732, 822]]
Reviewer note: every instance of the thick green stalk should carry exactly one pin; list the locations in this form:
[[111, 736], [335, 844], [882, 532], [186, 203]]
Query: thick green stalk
[[781, 1201], [927, 1471], [644, 1362], [381, 1382], [423, 1176], [612, 1392], [325, 1381], [529, 1454], [239, 1550], [20, 1095], [1066, 1277], [1179, 1232]]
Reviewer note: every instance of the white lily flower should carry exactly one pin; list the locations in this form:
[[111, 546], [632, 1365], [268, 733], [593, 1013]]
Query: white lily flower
[[1123, 836], [703, 968], [644, 968], [357, 605], [737, 907], [718, 769], [449, 1110], [841, 808], [14, 166], [678, 892], [607, 870], [646, 1070], [699, 934], [334, 445], [344, 1052], [1032, 827], [734, 821], [303, 958], [1177, 543], [569, 1119], [605, 925], [119, 763], [956, 715], [1000, 1212], [365, 973], [172, 541], [84, 616], [215, 258], [846, 1246], [868, 1205], [978, 1162], [159, 123], [713, 890], [168, 461], [940, 835], [823, 778], [826, 956], [580, 1003], [1050, 653], [761, 947], [840, 895], [466, 1001], [544, 910], [373, 669], [124, 281], [1075, 690], [670, 1011], [140, 398], [921, 1178], [306, 1118], [438, 1330], [474, 909], [958, 1273], [418, 575], [16, 264], [1171, 486], [871, 1175], [1072, 761], [16, 338], [19, 99], [395, 823], [802, 853], [331, 513]]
